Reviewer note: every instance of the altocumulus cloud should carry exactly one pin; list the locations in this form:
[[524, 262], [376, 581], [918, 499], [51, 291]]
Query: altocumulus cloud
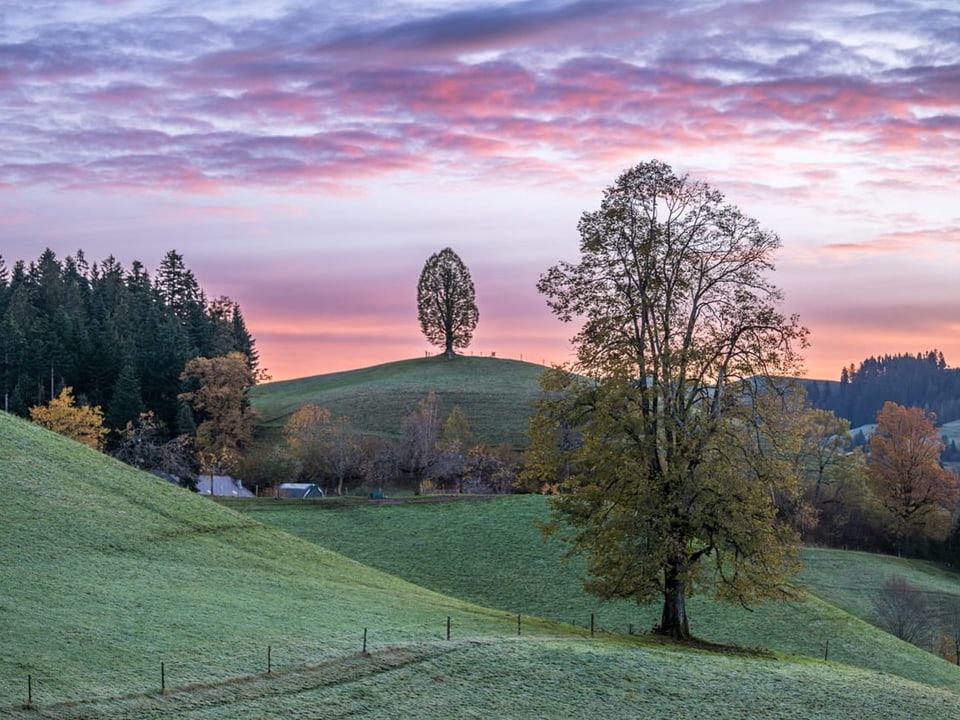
[[175, 94], [355, 134]]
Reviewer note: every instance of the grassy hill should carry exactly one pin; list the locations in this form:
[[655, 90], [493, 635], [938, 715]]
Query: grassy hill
[[105, 573], [490, 552], [495, 394]]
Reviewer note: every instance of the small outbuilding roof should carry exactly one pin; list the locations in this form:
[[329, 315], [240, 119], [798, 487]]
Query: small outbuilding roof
[[222, 485], [300, 490]]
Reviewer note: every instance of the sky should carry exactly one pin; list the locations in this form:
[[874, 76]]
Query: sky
[[306, 158]]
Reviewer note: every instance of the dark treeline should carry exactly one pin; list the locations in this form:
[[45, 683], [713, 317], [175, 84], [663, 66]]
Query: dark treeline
[[117, 336], [922, 380]]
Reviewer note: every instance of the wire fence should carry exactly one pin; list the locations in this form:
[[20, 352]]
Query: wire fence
[[46, 683]]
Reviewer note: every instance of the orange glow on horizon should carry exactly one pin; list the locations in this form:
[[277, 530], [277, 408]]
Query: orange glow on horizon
[[284, 362], [291, 357]]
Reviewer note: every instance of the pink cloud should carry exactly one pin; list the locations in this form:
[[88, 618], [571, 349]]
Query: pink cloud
[[922, 241], [583, 106], [126, 94], [806, 110]]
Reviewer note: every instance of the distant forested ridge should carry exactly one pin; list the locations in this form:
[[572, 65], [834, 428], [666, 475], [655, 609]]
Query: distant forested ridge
[[117, 336], [922, 380]]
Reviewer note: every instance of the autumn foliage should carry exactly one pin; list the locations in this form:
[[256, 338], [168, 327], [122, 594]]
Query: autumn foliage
[[83, 424], [904, 472], [681, 440], [218, 395], [325, 448]]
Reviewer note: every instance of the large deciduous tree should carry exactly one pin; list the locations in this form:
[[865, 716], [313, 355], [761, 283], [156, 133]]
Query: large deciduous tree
[[446, 302], [455, 445], [141, 444], [902, 609], [421, 433], [681, 453], [219, 397], [835, 496], [326, 449], [268, 467], [905, 475], [342, 451], [306, 432]]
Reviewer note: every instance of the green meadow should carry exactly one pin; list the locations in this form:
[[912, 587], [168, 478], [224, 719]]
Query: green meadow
[[491, 552], [108, 574], [495, 394]]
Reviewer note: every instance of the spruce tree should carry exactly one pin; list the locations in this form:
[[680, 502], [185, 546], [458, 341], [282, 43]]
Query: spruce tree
[[126, 402]]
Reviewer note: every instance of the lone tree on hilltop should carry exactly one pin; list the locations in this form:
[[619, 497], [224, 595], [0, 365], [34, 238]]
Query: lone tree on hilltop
[[684, 431], [446, 302]]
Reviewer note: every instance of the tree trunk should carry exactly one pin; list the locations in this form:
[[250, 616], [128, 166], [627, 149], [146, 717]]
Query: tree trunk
[[673, 622]]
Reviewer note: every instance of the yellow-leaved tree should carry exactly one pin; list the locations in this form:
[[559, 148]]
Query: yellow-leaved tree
[[306, 432], [325, 448], [83, 423], [218, 394]]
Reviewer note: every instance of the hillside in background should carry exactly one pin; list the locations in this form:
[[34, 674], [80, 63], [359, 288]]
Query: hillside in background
[[495, 394], [492, 553], [922, 380], [105, 573]]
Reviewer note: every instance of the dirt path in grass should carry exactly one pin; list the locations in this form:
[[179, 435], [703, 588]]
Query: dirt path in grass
[[194, 700]]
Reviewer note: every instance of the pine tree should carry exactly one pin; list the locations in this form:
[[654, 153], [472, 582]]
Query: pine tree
[[84, 324], [126, 402]]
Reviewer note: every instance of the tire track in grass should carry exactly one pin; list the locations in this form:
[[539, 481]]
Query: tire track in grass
[[180, 702]]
